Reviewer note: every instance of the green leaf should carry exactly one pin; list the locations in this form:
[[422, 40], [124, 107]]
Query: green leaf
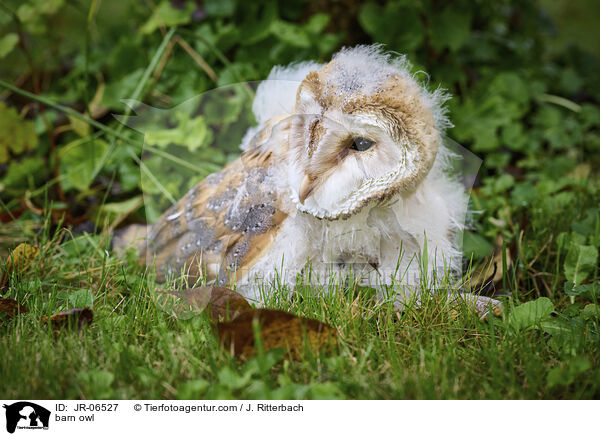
[[117, 210], [503, 183], [219, 8], [581, 261], [530, 314], [79, 126], [562, 240], [369, 17], [192, 389], [558, 327], [450, 28], [32, 14], [129, 175], [119, 89], [563, 328], [317, 23], [514, 137], [289, 33], [395, 24], [166, 15], [47, 7], [26, 13], [514, 88], [190, 133], [590, 115], [476, 245], [224, 111], [478, 121], [566, 374], [17, 135], [591, 290], [258, 26], [570, 81], [236, 73], [591, 311], [523, 194], [234, 380], [96, 383], [587, 227], [7, 43], [568, 334], [20, 174], [77, 161], [81, 298]]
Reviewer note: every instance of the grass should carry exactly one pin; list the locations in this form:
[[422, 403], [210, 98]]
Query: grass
[[133, 349]]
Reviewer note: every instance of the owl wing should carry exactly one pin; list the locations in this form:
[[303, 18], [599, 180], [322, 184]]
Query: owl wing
[[221, 227]]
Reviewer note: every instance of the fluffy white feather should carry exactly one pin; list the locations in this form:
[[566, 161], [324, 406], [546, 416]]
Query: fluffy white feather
[[346, 170], [391, 232]]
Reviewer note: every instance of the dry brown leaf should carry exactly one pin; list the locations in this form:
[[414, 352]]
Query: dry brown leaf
[[11, 307], [18, 261], [72, 318], [278, 329], [222, 303]]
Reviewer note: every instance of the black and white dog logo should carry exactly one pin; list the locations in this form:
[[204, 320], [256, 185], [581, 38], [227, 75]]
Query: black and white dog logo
[[26, 415]]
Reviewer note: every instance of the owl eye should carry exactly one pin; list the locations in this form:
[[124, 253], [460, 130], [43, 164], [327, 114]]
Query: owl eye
[[361, 144]]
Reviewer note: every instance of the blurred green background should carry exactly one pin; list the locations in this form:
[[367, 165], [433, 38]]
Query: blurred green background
[[524, 76]]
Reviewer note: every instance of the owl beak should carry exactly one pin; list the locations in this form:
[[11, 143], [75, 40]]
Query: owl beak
[[306, 188]]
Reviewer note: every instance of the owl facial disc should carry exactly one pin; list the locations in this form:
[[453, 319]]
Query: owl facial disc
[[359, 138]]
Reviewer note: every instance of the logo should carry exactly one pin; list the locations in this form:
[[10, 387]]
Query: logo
[[26, 415]]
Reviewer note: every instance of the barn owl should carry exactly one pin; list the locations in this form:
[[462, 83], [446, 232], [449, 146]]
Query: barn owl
[[345, 172]]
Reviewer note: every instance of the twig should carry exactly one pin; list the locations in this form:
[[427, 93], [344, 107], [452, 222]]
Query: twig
[[161, 65], [112, 311], [98, 268], [30, 205], [227, 63], [197, 58]]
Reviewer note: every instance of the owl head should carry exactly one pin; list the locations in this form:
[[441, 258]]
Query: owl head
[[363, 130]]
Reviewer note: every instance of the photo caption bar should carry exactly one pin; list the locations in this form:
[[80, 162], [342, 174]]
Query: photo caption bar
[[161, 417]]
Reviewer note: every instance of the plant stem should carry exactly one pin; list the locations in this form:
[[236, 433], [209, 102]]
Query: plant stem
[[136, 96], [69, 111], [109, 131]]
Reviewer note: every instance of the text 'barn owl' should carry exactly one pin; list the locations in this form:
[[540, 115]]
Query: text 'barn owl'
[[345, 170]]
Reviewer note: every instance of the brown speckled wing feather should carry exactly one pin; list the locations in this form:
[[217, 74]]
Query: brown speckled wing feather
[[221, 227]]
